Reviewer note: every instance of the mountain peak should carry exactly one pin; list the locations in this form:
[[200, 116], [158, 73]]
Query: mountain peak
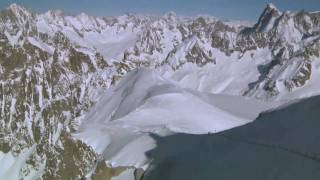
[[14, 6], [83, 15], [170, 13], [272, 6], [172, 16], [271, 9], [17, 8], [267, 18], [20, 12], [54, 14]]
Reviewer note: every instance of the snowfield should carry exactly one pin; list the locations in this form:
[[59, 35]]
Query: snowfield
[[11, 165], [121, 124]]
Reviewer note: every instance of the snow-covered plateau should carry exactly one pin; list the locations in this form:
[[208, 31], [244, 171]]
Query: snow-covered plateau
[[141, 97]]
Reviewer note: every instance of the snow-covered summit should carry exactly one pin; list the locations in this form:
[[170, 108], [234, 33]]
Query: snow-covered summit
[[272, 6], [267, 18], [17, 8]]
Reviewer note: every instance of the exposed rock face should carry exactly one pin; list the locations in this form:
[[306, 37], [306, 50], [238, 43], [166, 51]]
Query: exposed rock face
[[293, 39], [267, 19], [53, 67], [42, 92]]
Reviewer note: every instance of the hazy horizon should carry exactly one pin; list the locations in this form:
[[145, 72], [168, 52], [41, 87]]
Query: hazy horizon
[[226, 10]]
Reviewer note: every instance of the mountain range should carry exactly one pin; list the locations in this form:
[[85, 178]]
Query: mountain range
[[84, 96]]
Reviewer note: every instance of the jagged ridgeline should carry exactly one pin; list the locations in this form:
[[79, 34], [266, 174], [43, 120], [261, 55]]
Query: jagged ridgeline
[[43, 89], [53, 67]]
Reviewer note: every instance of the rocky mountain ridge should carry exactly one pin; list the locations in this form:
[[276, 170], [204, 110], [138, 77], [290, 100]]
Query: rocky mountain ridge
[[55, 66]]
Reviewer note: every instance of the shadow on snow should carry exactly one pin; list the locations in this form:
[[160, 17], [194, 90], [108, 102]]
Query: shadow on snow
[[279, 145]]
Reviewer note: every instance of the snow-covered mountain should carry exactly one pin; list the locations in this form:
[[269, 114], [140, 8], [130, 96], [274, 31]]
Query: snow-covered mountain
[[63, 98]]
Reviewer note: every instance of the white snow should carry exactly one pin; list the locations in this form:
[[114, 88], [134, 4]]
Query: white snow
[[191, 99], [56, 134], [126, 175], [238, 24], [144, 103], [13, 39], [41, 45], [270, 24], [110, 43], [290, 33], [230, 75], [272, 6], [12, 109], [182, 49], [311, 88], [10, 165], [39, 92]]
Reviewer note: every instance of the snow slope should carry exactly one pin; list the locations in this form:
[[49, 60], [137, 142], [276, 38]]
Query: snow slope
[[144, 103], [11, 165], [312, 87], [230, 75]]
